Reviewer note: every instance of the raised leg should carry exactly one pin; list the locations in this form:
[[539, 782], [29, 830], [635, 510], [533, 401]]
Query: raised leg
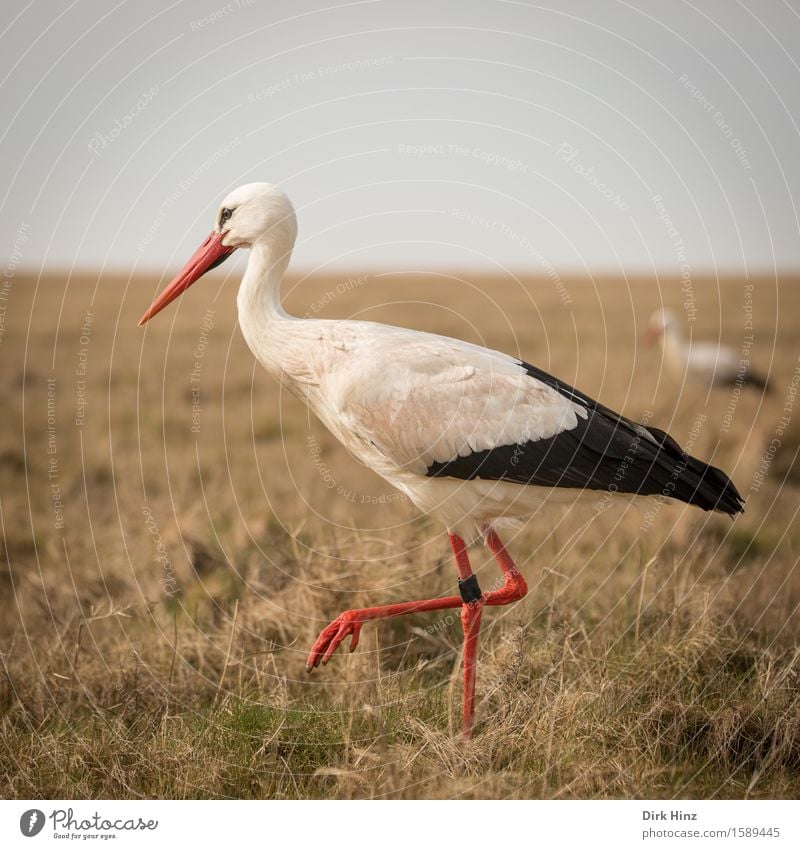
[[350, 622], [514, 587], [471, 601]]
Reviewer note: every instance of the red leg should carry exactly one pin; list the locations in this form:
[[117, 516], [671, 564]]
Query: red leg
[[350, 622], [471, 612], [514, 586], [513, 589], [471, 623], [462, 558]]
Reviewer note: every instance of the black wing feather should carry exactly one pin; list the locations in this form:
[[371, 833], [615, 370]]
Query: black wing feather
[[606, 452]]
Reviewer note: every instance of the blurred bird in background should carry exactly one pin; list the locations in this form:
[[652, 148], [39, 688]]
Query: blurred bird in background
[[704, 362]]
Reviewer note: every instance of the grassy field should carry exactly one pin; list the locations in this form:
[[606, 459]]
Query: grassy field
[[176, 532]]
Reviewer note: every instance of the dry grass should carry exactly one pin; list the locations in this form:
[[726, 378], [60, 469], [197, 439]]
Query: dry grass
[[653, 662]]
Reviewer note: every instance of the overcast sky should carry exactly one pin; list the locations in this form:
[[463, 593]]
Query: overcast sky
[[571, 135]]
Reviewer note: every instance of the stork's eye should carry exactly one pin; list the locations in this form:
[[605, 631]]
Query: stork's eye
[[224, 216]]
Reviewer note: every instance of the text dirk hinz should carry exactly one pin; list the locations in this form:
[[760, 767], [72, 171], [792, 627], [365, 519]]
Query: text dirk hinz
[[673, 815]]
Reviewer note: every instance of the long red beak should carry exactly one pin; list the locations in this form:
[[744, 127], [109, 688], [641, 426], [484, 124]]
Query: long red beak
[[651, 335], [209, 255]]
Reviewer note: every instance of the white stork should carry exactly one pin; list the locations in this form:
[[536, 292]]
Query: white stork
[[472, 436], [713, 365]]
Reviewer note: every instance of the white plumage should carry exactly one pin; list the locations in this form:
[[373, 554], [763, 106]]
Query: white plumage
[[404, 400], [400, 400]]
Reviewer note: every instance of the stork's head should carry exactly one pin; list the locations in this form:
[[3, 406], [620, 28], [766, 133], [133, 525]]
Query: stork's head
[[255, 213], [661, 322]]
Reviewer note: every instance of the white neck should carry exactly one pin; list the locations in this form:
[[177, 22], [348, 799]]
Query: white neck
[[274, 337], [259, 295], [672, 337], [674, 347]]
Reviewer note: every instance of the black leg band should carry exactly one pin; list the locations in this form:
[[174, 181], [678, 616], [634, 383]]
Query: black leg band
[[469, 589]]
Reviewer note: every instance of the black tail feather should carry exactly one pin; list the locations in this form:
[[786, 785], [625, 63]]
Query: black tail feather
[[757, 380], [661, 469], [693, 481]]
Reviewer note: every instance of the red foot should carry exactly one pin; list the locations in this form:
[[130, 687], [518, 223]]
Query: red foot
[[350, 622], [331, 637]]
